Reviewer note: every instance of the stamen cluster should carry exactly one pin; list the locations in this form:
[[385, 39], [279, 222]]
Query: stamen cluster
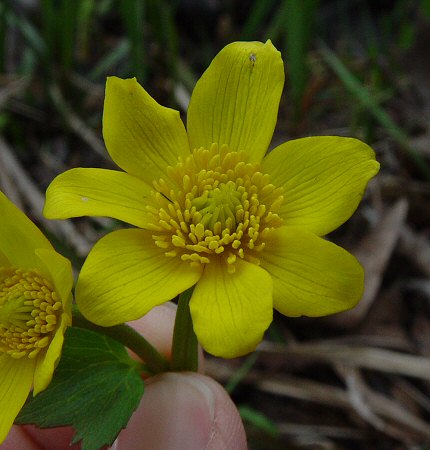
[[29, 307], [214, 205]]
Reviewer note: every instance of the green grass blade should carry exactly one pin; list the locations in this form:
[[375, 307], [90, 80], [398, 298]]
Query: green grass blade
[[103, 67], [258, 420], [367, 100], [277, 26], [299, 32], [83, 26], [49, 29], [161, 16], [259, 12], [3, 28], [30, 34], [132, 12], [68, 20], [241, 372], [425, 8]]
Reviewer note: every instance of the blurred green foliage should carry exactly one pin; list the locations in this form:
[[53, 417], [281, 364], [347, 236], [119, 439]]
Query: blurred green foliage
[[175, 40]]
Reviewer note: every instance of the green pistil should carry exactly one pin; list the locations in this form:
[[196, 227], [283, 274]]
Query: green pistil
[[219, 205]]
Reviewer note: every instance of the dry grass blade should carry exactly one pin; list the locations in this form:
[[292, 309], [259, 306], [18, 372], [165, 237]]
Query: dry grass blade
[[284, 386], [381, 412], [320, 430], [76, 124], [416, 247], [356, 356], [35, 200], [374, 252], [415, 394], [303, 389], [12, 88]]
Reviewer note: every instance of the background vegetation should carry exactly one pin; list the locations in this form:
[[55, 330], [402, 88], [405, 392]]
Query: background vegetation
[[359, 380]]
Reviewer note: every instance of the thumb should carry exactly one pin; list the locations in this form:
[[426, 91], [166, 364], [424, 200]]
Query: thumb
[[183, 411]]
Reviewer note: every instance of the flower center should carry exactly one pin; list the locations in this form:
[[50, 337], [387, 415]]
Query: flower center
[[28, 312], [216, 205]]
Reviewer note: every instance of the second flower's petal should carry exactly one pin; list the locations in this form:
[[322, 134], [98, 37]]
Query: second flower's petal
[[231, 312], [47, 361], [126, 274], [311, 276], [141, 136], [19, 236], [16, 378], [324, 179], [3, 260], [60, 271], [98, 192], [236, 100]]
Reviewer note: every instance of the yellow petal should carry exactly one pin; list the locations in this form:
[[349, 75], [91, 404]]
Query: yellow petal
[[126, 274], [3, 260], [47, 361], [324, 179], [236, 100], [98, 192], [60, 270], [231, 312], [311, 276], [16, 378], [19, 237], [141, 136]]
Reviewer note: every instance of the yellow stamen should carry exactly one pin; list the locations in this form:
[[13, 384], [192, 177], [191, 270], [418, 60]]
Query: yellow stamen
[[223, 207], [28, 312]]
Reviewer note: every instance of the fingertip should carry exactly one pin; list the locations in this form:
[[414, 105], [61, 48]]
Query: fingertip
[[29, 437], [184, 411]]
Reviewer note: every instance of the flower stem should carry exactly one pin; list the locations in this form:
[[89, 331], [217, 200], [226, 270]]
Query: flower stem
[[184, 345], [130, 338]]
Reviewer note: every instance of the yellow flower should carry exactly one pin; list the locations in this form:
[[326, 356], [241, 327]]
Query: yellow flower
[[212, 212], [35, 310]]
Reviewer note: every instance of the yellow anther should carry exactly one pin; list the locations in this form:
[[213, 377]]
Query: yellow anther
[[28, 307], [231, 259], [178, 241], [221, 203], [199, 231], [213, 245], [236, 244]]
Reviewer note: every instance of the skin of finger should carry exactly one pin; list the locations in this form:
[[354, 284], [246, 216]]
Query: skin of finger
[[156, 327], [179, 411], [28, 437], [186, 411]]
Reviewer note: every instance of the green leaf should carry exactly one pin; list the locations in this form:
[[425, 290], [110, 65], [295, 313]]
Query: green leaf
[[95, 389]]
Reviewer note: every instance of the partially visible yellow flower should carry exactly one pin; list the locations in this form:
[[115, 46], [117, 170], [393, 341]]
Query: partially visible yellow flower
[[212, 212], [35, 310]]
